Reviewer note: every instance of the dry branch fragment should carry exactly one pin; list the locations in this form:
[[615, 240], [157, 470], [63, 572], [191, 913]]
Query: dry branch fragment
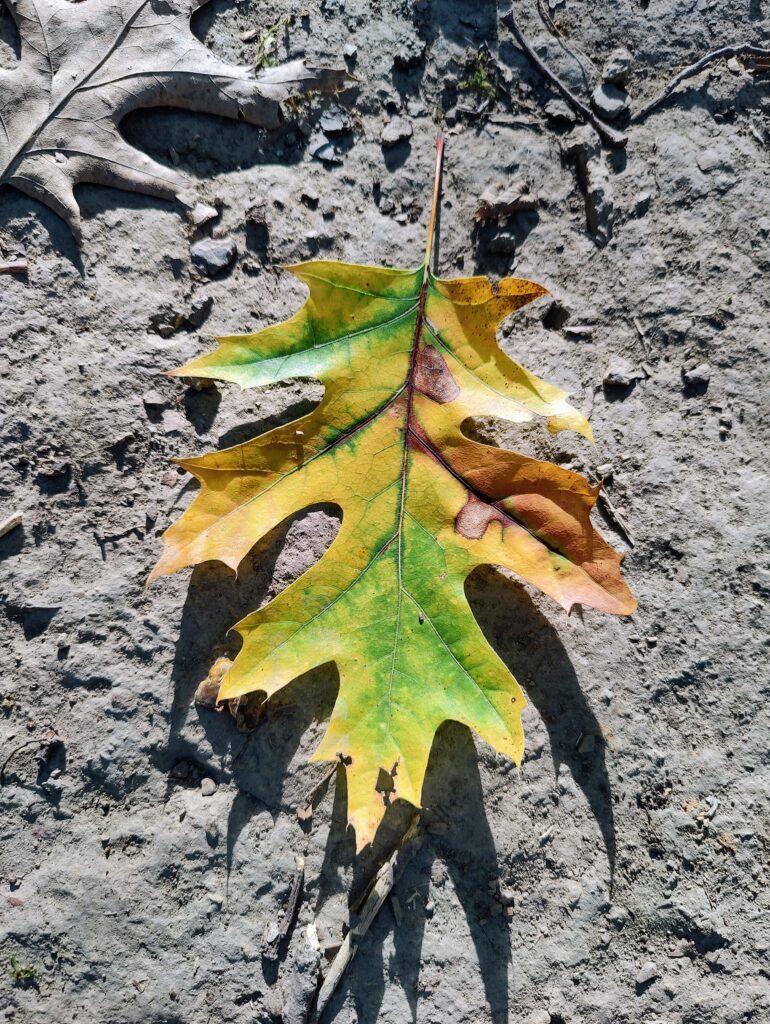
[[608, 134], [381, 888], [762, 54]]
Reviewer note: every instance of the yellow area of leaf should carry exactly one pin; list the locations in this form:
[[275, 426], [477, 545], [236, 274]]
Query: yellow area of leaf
[[405, 359]]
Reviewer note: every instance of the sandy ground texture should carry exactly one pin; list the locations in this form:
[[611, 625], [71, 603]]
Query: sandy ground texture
[[148, 845]]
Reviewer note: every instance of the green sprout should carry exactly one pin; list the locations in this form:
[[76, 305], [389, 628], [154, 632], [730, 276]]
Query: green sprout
[[21, 975], [477, 78]]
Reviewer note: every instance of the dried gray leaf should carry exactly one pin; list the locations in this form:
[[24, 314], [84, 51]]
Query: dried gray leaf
[[84, 66]]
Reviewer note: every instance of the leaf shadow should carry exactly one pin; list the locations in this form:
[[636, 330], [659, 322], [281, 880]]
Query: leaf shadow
[[531, 647], [453, 796]]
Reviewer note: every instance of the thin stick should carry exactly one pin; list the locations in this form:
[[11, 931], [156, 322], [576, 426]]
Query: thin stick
[[383, 883], [724, 52], [14, 267], [272, 950], [434, 202], [608, 135], [615, 517]]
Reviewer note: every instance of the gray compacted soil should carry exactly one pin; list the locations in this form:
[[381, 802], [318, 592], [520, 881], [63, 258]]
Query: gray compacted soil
[[148, 845]]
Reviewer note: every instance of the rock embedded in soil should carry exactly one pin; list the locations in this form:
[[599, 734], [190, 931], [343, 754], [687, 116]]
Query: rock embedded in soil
[[395, 131], [648, 972], [699, 376], [321, 148], [621, 373], [609, 101], [617, 67], [213, 255]]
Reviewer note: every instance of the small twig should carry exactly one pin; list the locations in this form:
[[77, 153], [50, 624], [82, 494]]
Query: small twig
[[10, 523], [615, 517], [381, 887], [642, 335], [305, 809], [14, 267], [558, 34], [608, 135], [290, 912], [738, 50]]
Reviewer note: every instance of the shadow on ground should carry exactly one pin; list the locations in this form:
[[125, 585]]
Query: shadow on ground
[[459, 836]]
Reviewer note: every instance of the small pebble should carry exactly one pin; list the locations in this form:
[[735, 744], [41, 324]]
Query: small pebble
[[559, 111], [202, 214], [334, 122], [154, 400], [609, 101], [647, 974], [699, 376], [208, 787], [320, 148], [212, 255], [621, 374], [395, 131], [350, 52], [618, 66], [200, 307]]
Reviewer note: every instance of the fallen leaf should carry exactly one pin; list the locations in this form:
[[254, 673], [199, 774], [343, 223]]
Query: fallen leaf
[[405, 358], [85, 66]]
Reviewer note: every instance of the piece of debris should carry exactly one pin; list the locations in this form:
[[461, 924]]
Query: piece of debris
[[648, 972], [502, 243], [698, 377], [584, 145], [349, 51], [745, 50], [208, 786], [381, 888], [499, 200], [208, 689], [621, 373], [202, 214], [200, 307], [320, 148], [559, 111], [580, 332], [14, 267], [10, 523], [618, 66], [279, 933], [247, 711], [395, 131], [610, 101], [211, 256], [335, 121], [154, 400]]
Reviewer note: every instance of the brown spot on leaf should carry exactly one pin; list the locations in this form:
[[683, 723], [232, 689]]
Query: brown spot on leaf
[[475, 516], [433, 377]]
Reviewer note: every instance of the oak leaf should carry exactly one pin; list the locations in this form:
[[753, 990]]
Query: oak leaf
[[405, 359], [85, 65]]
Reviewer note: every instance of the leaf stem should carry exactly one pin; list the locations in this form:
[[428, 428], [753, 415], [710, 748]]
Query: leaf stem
[[434, 203]]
